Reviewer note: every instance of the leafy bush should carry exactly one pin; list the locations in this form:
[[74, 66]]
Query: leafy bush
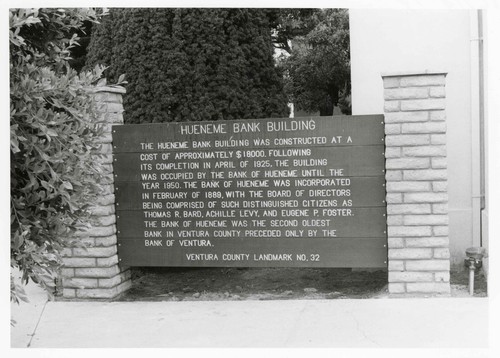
[[53, 140], [191, 64]]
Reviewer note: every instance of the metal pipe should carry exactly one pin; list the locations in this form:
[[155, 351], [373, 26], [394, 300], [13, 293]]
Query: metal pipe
[[481, 120], [472, 269], [474, 261]]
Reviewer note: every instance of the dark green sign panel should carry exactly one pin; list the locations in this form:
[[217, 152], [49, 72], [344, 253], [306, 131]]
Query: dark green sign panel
[[306, 192]]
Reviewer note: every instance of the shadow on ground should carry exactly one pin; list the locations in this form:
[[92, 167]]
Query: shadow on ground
[[174, 284], [214, 284]]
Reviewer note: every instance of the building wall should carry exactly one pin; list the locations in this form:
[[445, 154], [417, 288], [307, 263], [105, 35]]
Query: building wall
[[388, 41]]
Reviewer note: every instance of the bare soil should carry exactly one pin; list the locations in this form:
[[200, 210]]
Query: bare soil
[[216, 284], [459, 282]]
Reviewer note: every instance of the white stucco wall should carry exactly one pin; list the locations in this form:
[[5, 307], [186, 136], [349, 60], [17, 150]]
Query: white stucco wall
[[385, 41]]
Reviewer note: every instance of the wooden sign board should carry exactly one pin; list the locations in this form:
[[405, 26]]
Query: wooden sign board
[[305, 192]]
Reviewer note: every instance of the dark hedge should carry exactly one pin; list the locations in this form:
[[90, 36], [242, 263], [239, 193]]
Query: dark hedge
[[191, 64]]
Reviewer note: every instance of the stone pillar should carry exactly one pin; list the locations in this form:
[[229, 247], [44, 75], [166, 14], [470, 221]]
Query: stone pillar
[[93, 272], [416, 175]]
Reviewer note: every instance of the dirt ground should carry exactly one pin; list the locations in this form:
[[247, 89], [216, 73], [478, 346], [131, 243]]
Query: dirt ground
[[215, 284]]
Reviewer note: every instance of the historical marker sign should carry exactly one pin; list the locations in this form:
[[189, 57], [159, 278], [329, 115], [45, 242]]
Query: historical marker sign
[[304, 192]]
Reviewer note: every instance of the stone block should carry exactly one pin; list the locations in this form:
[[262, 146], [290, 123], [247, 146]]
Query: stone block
[[69, 293], [441, 241], [442, 253], [426, 220], [406, 93], [116, 280], [391, 106], [106, 148], [410, 253], [99, 231], [109, 89], [116, 118], [114, 97], [97, 293], [394, 198], [87, 241], [107, 179], [440, 186], [422, 104], [105, 138], [407, 163], [407, 140], [101, 97], [423, 127], [439, 163], [113, 107], [440, 230], [425, 174], [107, 220], [405, 117], [66, 252], [95, 251], [106, 159], [391, 82], [107, 189], [392, 152], [106, 200], [107, 168], [97, 272], [396, 287], [105, 127], [437, 139], [439, 115], [78, 262], [395, 220], [106, 241], [408, 186], [107, 261], [104, 293], [428, 287], [67, 272], [422, 80], [411, 231], [440, 208], [437, 92], [427, 265], [410, 276], [395, 243], [102, 210], [442, 276], [110, 282], [124, 286], [430, 197], [393, 175], [396, 265], [393, 128], [409, 209], [425, 151], [80, 282]]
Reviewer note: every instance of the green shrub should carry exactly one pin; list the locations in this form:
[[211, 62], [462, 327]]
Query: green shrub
[[191, 64], [53, 140]]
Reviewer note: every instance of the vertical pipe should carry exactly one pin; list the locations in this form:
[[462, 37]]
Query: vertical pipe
[[471, 277], [481, 117]]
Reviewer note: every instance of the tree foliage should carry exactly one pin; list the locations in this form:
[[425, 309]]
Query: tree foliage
[[191, 64], [53, 140], [319, 65], [293, 23]]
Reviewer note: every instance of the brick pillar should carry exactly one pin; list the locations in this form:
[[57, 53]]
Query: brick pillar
[[93, 271], [416, 175]]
